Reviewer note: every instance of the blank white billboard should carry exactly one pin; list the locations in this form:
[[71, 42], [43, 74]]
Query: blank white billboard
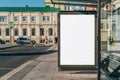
[[77, 39]]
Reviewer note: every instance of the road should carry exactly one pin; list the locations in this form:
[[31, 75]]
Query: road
[[14, 57], [24, 49]]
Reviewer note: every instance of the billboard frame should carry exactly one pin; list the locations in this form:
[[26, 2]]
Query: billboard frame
[[78, 67]]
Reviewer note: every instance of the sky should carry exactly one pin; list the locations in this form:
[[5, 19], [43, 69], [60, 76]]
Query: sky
[[21, 3]]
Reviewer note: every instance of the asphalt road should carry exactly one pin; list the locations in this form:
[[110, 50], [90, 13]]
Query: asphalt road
[[10, 58], [24, 49]]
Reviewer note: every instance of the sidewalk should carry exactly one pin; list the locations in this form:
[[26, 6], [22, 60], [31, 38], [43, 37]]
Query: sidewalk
[[45, 67]]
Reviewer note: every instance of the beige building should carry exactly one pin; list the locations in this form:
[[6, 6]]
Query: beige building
[[105, 29], [37, 23], [48, 3]]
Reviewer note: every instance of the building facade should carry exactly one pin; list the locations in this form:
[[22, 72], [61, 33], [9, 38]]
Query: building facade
[[110, 26], [48, 3], [36, 23], [116, 20]]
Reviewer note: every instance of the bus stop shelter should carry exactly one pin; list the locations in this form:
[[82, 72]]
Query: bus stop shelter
[[102, 63]]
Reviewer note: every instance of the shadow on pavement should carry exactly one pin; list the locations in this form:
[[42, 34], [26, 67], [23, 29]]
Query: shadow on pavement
[[28, 53]]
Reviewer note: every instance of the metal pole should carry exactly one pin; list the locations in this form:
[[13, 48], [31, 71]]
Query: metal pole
[[99, 39], [10, 28], [10, 35]]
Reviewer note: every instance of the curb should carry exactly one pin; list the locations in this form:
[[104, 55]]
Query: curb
[[10, 74], [25, 52]]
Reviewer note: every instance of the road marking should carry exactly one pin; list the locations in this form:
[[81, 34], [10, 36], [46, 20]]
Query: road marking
[[7, 68], [10, 74]]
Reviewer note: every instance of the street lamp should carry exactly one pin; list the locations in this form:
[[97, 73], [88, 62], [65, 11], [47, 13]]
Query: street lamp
[[10, 28]]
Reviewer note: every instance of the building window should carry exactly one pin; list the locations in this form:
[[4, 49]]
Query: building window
[[24, 32], [42, 40], [15, 18], [24, 18], [33, 18], [48, 18], [107, 27], [16, 31], [44, 18], [50, 31], [113, 26], [115, 12], [3, 18], [0, 32], [41, 31], [102, 26], [33, 31], [7, 31], [118, 11]]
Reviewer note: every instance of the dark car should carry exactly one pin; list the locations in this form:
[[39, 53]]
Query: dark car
[[2, 41], [23, 40]]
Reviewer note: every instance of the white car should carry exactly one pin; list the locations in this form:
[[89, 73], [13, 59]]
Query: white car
[[23, 40]]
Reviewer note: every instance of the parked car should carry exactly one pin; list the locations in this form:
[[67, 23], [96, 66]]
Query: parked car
[[23, 40], [2, 41]]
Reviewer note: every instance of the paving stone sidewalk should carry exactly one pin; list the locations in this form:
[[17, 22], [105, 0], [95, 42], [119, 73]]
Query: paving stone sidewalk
[[47, 69]]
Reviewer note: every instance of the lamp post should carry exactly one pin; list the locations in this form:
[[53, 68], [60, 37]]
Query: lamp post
[[11, 27], [10, 30]]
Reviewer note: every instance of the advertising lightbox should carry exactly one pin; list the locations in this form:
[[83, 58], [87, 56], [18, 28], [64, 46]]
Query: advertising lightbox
[[77, 36]]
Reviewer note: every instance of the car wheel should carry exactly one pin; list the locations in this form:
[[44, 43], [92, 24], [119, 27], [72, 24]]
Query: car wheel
[[20, 43], [32, 43]]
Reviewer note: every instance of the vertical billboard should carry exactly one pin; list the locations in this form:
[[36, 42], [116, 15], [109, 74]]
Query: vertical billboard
[[77, 35]]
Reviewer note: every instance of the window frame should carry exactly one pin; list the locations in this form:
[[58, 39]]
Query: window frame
[[44, 18], [24, 18], [50, 31], [24, 34], [15, 31], [33, 18], [3, 18], [42, 31], [48, 18], [33, 32], [7, 31], [16, 18]]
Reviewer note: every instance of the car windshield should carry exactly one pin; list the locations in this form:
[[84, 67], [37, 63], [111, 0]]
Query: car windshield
[[23, 38]]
